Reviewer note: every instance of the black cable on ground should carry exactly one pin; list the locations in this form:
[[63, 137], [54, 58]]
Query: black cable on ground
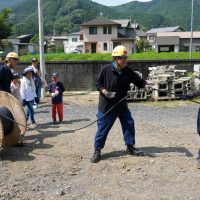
[[12, 120], [78, 129]]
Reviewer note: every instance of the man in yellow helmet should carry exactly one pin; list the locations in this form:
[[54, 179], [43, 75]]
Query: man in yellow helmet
[[113, 83], [6, 71]]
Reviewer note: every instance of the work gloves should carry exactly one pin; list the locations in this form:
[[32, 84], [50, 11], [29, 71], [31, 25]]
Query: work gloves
[[109, 95]]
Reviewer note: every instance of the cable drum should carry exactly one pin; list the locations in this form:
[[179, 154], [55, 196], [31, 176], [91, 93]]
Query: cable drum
[[8, 125]]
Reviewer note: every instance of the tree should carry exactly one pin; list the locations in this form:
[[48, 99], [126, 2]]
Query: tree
[[35, 39], [143, 45], [5, 25]]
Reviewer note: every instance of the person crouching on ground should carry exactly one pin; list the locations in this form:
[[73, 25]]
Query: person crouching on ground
[[28, 94], [15, 87], [113, 84], [56, 89]]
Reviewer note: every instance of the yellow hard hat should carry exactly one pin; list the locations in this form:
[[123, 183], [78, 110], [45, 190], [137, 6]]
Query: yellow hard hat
[[120, 51], [12, 55]]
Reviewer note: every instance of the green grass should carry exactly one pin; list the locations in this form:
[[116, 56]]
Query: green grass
[[107, 57]]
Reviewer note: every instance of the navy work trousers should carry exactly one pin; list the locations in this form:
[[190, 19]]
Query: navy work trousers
[[105, 124]]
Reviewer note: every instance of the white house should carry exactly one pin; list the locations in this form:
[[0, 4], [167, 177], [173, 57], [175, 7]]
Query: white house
[[71, 42]]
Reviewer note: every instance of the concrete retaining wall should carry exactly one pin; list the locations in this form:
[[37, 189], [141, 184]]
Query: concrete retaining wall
[[82, 75]]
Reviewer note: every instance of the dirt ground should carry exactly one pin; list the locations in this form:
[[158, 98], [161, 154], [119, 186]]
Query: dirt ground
[[55, 163]]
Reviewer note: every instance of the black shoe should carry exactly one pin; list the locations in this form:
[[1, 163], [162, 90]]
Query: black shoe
[[54, 122], [96, 157], [60, 122], [134, 151]]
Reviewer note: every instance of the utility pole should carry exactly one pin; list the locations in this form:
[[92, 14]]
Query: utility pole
[[135, 32], [41, 43], [191, 38]]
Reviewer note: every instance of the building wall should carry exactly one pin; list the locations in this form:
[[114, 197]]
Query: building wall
[[82, 75], [99, 37], [58, 43], [186, 42], [128, 45]]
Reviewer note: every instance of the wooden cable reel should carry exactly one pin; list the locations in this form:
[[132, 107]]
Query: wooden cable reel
[[10, 131]]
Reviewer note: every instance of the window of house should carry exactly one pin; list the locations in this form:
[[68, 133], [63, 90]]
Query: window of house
[[105, 30], [151, 37], [184, 48], [93, 30], [109, 29], [105, 46], [197, 48], [164, 49], [74, 39]]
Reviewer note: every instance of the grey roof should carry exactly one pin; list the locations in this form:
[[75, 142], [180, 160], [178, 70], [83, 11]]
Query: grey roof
[[134, 25], [23, 36], [141, 33], [164, 29], [100, 21], [75, 33], [125, 23]]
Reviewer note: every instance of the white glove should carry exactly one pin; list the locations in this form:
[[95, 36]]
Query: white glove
[[57, 93], [53, 94]]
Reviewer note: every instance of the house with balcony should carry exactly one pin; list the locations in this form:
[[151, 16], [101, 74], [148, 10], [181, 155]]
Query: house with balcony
[[102, 35]]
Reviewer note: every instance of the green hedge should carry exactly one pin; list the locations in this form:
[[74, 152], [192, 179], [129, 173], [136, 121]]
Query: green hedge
[[98, 56]]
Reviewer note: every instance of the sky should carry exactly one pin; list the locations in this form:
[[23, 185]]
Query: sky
[[115, 2]]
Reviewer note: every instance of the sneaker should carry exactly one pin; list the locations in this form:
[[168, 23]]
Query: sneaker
[[96, 156], [33, 125], [60, 121], [131, 150], [55, 122], [35, 106]]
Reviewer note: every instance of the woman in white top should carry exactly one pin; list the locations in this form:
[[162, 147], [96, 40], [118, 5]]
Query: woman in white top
[[28, 93]]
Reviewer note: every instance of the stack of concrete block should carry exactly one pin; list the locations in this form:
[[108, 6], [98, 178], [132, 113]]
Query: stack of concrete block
[[136, 93], [196, 79], [169, 82]]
